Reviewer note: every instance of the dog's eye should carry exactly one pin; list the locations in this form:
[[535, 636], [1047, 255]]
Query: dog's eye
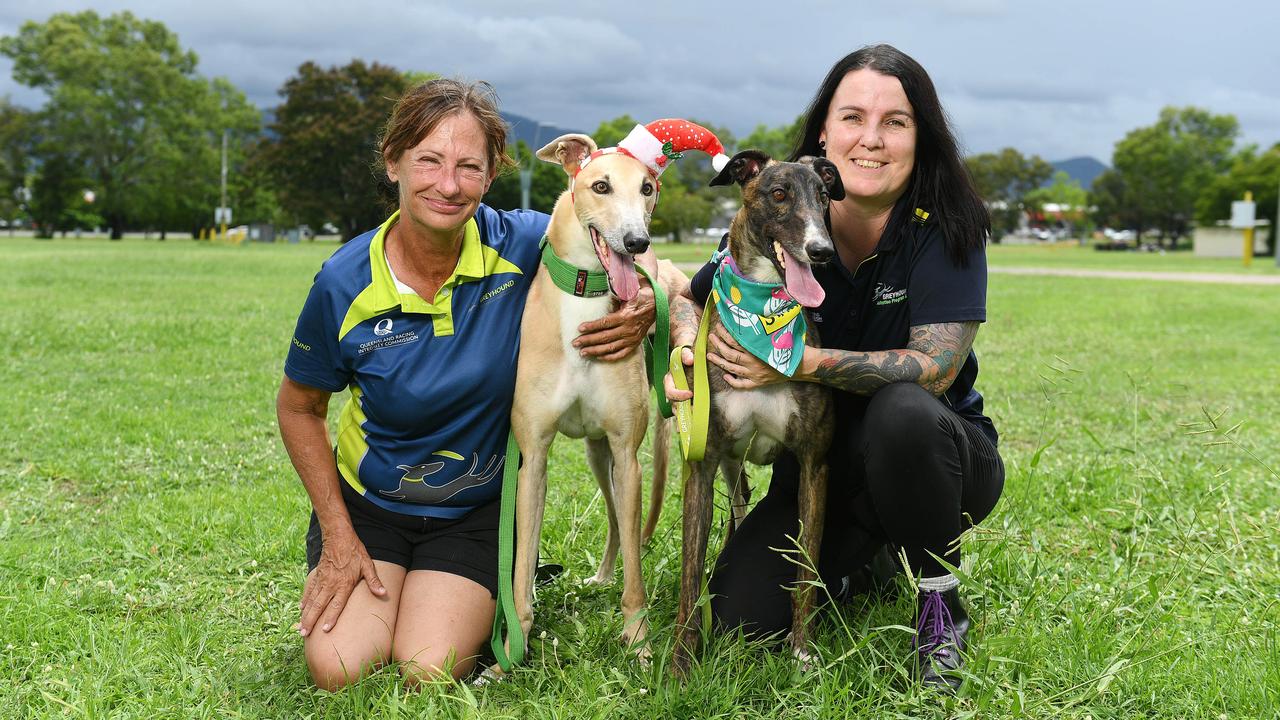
[[646, 189], [779, 195], [600, 187]]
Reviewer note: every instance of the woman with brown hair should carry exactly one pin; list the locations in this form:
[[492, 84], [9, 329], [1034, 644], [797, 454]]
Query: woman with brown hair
[[420, 318]]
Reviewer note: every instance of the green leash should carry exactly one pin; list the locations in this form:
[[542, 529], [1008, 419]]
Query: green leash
[[582, 283], [655, 360], [693, 416], [505, 616]]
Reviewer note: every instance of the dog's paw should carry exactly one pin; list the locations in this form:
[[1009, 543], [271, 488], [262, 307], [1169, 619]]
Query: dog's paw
[[490, 675], [643, 655], [598, 580], [806, 661]]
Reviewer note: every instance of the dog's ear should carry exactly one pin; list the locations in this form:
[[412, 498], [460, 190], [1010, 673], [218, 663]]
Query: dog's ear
[[742, 167], [568, 151], [829, 173]]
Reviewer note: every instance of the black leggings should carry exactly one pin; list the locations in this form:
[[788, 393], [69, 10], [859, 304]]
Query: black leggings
[[906, 470]]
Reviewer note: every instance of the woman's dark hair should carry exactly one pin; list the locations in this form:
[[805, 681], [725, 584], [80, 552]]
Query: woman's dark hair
[[940, 183]]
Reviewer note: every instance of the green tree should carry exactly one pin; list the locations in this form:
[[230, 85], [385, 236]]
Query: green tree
[[1253, 171], [126, 105], [679, 210], [546, 183], [325, 160], [16, 136], [611, 132], [778, 142], [1166, 166], [1004, 181], [1071, 199]]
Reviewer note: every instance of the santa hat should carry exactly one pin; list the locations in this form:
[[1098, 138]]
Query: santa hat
[[661, 141]]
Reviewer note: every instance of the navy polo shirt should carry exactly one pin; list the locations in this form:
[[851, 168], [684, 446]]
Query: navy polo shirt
[[909, 280], [424, 432]]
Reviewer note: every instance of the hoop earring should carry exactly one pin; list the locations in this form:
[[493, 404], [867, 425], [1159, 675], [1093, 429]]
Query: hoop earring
[[822, 146]]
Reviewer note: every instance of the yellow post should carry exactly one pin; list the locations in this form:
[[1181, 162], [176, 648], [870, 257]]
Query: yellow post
[[1248, 235], [223, 232]]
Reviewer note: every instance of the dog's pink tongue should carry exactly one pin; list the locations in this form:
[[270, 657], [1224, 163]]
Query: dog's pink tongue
[[801, 284], [622, 275]]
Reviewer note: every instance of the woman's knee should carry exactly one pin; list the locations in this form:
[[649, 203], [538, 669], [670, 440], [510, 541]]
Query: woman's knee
[[902, 410], [431, 665], [333, 668]]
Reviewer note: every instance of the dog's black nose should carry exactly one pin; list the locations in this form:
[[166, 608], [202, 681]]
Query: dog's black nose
[[635, 243], [820, 253]]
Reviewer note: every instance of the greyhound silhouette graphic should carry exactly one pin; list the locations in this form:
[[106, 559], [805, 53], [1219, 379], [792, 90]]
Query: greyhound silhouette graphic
[[414, 488]]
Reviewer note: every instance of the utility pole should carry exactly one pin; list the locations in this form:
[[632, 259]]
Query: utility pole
[[223, 205], [526, 168]]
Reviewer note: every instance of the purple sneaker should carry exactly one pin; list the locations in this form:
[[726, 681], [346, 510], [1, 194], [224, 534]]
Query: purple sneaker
[[941, 630]]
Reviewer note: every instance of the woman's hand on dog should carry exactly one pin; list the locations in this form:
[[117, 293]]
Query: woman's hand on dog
[[617, 334], [675, 394], [743, 370], [344, 562]]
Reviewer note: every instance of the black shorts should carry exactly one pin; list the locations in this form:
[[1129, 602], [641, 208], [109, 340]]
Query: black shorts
[[465, 546]]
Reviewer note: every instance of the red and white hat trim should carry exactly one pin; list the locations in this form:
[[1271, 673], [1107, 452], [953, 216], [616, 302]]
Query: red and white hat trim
[[661, 141]]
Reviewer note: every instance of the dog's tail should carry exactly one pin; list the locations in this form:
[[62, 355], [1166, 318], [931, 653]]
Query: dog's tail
[[661, 459]]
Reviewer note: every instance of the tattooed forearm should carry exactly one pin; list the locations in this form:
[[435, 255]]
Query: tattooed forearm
[[947, 345], [864, 373], [684, 320], [933, 357]]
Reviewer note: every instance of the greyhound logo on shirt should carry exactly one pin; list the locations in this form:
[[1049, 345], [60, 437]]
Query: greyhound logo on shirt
[[886, 294], [415, 488]]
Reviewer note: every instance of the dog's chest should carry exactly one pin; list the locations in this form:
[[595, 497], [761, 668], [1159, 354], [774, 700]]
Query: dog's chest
[[756, 419], [591, 394]]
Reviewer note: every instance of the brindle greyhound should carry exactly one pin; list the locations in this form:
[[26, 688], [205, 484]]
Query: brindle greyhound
[[773, 239], [602, 221]]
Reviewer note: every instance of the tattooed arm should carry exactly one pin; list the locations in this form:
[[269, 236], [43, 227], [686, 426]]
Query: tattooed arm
[[685, 317], [932, 359]]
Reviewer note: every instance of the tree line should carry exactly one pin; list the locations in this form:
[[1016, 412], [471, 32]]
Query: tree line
[[131, 137]]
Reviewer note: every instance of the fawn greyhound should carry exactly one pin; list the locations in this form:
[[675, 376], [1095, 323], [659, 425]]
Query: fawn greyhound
[[602, 221], [773, 239]]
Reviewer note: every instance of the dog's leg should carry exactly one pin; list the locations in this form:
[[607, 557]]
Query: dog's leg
[[627, 482], [531, 498], [812, 496], [698, 506], [735, 481], [600, 459], [661, 463]]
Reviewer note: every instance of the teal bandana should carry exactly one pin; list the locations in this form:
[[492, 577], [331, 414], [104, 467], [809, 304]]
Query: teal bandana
[[762, 317]]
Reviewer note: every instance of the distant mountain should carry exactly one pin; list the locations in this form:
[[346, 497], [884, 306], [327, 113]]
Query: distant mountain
[[1081, 169], [522, 128]]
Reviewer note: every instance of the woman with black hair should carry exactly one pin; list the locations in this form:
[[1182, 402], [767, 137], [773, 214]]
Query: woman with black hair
[[913, 461]]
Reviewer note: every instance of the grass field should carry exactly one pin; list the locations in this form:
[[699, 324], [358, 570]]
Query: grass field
[[151, 528], [1056, 255]]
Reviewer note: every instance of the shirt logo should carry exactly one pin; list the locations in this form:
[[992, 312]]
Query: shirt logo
[[497, 291], [383, 327], [885, 294]]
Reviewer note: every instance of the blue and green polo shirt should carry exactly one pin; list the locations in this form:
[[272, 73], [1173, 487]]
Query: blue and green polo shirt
[[425, 430]]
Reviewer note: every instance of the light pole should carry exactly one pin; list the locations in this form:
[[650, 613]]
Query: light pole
[[526, 169], [222, 211]]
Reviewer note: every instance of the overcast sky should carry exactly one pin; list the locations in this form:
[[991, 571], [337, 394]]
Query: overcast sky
[[1058, 79]]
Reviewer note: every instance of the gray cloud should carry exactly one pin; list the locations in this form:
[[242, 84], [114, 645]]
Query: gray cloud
[[1046, 77]]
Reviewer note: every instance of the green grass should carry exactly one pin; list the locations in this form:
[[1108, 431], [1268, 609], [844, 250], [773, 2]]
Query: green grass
[[1050, 255], [151, 528]]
